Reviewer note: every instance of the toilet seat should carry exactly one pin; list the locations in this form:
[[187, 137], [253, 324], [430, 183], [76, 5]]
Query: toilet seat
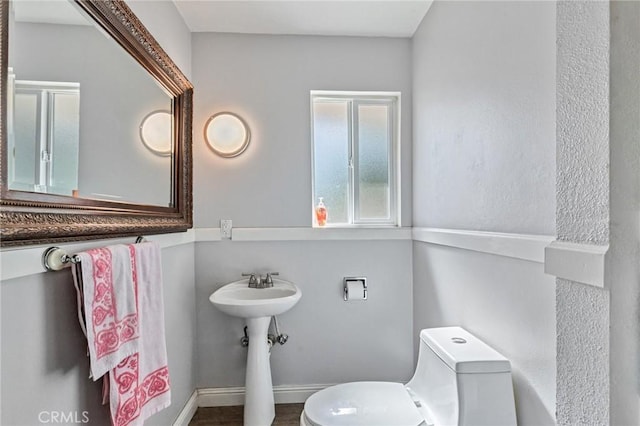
[[362, 404]]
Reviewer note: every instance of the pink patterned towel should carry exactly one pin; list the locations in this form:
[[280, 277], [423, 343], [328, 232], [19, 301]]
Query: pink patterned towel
[[139, 385], [110, 306], [124, 312]]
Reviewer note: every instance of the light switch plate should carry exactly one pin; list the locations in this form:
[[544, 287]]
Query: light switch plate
[[225, 229]]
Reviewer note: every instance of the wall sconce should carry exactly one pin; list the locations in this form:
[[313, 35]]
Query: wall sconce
[[156, 132], [227, 134]]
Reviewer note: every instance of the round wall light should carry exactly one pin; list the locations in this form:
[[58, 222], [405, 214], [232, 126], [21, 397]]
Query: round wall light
[[156, 132], [227, 134]]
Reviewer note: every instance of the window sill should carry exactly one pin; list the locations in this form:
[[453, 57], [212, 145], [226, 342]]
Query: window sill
[[360, 232], [357, 226]]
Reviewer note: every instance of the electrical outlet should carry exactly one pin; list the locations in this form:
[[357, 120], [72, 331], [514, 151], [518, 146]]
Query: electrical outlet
[[225, 229]]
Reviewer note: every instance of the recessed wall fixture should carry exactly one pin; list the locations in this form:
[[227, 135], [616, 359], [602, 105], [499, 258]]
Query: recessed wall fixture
[[156, 132], [227, 134]]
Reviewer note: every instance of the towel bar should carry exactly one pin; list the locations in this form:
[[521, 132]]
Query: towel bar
[[55, 258]]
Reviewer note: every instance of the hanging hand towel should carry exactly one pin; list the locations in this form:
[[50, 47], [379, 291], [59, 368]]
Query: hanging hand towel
[[139, 385], [110, 306]]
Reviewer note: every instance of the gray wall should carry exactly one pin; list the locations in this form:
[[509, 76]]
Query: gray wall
[[331, 341], [267, 79], [484, 113], [165, 23], [583, 312], [484, 159], [44, 364], [180, 328], [625, 205], [598, 194], [624, 252]]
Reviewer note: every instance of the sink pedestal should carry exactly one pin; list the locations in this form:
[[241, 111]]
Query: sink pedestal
[[257, 306], [259, 409]]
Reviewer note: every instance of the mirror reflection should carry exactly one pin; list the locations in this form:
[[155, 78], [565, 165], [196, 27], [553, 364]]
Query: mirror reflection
[[44, 118], [76, 101], [155, 132]]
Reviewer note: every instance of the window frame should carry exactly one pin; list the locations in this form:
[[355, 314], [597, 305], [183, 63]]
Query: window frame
[[355, 99]]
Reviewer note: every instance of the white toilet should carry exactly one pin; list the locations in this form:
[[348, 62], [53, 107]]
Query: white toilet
[[459, 380]]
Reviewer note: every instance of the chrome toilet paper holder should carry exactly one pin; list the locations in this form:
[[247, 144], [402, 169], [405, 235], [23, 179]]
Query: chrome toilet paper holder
[[355, 280]]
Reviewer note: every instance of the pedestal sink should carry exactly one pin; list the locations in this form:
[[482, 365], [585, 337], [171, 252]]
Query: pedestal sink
[[257, 306]]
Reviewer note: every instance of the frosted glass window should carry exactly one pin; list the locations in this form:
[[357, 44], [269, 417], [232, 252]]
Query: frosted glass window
[[25, 160], [373, 174], [65, 142], [354, 146], [331, 154]]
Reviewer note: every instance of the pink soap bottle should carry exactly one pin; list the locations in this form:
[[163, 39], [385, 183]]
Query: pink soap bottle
[[321, 213]]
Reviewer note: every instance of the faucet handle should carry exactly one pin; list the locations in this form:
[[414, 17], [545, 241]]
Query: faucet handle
[[252, 278], [268, 279]]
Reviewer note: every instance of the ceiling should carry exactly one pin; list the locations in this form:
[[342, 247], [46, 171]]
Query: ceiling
[[386, 18], [50, 12]]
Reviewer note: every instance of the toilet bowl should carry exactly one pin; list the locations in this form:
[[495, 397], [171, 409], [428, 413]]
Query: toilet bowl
[[459, 380]]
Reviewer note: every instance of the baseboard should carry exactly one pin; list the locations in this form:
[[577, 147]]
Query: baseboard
[[188, 411], [289, 394]]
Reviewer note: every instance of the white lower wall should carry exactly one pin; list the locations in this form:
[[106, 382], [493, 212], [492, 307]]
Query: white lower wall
[[509, 303], [331, 341]]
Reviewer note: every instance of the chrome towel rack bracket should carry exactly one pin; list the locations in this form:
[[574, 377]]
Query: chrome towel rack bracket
[[55, 258]]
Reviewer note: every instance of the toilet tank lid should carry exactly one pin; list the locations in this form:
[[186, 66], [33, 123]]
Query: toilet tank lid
[[463, 352]]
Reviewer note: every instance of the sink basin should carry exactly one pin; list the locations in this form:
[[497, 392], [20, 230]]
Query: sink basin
[[238, 300]]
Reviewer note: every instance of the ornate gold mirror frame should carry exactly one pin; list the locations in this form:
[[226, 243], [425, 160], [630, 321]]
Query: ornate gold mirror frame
[[32, 218]]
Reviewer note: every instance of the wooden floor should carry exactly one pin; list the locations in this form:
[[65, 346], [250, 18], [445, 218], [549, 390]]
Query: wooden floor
[[286, 415]]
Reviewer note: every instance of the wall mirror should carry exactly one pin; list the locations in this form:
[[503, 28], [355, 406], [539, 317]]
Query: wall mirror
[[78, 80]]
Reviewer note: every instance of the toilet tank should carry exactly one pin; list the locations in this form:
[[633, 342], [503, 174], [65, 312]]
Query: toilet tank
[[460, 380]]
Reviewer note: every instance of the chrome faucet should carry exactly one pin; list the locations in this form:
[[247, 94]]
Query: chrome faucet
[[261, 282], [268, 280], [253, 282]]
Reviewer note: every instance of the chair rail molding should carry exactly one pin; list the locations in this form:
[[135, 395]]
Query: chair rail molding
[[19, 262], [519, 246], [583, 263]]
